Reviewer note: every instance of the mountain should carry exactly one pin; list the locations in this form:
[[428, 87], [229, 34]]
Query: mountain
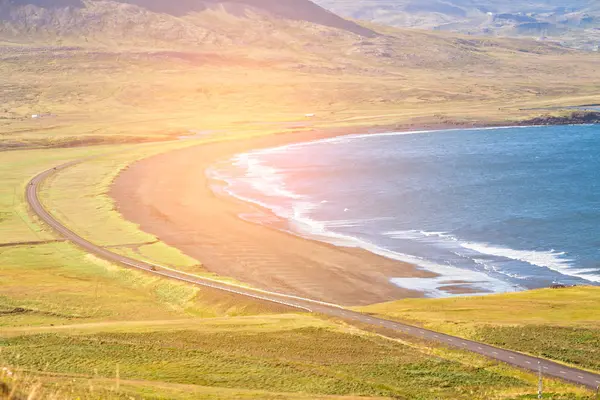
[[187, 22], [574, 23]]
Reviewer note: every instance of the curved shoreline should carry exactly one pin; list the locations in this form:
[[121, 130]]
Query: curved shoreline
[[169, 196], [444, 280], [164, 196]]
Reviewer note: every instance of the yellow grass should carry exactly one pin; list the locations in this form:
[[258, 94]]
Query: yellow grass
[[578, 306], [559, 324]]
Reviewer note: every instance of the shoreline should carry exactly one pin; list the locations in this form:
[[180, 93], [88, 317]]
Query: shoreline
[[444, 281], [344, 275], [165, 197]]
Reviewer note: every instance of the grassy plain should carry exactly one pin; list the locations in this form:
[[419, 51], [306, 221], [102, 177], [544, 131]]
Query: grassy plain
[[92, 95], [69, 321], [280, 356], [79, 198], [557, 324], [16, 169]]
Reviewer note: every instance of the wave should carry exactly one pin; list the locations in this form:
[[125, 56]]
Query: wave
[[263, 178], [297, 214], [477, 282], [445, 240], [554, 260], [416, 234]]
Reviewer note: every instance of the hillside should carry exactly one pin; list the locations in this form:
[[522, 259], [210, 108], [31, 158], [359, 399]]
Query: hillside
[[150, 22], [574, 23]]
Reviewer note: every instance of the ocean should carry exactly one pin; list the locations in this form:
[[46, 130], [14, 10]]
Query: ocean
[[490, 210]]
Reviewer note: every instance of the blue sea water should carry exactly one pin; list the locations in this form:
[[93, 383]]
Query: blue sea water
[[492, 210]]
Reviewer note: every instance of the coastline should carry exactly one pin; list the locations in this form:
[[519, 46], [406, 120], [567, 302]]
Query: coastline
[[443, 281], [170, 196], [165, 196]]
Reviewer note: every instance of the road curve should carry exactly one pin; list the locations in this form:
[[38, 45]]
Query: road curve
[[523, 361]]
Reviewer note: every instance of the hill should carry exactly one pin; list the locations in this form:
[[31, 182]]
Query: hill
[[574, 23], [154, 22]]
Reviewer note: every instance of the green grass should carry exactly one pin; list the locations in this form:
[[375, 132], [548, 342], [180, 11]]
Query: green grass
[[60, 388], [307, 357], [559, 324], [16, 169], [67, 319], [60, 284], [575, 346], [79, 197], [577, 306]]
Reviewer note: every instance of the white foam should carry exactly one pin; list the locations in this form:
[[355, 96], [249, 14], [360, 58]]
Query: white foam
[[440, 286], [268, 182], [263, 178], [474, 280], [310, 228], [492, 268], [554, 260], [442, 235], [408, 235], [420, 235]]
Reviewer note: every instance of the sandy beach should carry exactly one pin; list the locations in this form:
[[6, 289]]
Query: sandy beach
[[170, 197]]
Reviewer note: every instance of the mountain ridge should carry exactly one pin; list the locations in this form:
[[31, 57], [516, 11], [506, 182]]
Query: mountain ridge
[[188, 21], [574, 23]]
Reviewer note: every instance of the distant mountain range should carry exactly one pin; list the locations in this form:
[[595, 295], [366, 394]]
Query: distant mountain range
[[280, 23], [297, 33], [190, 22], [574, 23]]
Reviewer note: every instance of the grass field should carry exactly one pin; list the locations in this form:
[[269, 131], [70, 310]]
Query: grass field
[[48, 281], [78, 196], [16, 169], [97, 95], [557, 324], [275, 354]]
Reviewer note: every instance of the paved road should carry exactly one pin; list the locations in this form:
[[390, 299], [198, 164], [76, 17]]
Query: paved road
[[510, 357]]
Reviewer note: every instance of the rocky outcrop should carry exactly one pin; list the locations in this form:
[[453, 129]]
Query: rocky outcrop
[[575, 118]]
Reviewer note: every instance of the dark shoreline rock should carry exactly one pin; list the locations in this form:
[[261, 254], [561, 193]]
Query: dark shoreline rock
[[576, 118]]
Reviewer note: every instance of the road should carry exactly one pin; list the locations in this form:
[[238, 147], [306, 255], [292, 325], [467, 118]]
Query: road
[[523, 361]]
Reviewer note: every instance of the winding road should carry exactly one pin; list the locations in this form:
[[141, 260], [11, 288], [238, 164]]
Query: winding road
[[516, 359]]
